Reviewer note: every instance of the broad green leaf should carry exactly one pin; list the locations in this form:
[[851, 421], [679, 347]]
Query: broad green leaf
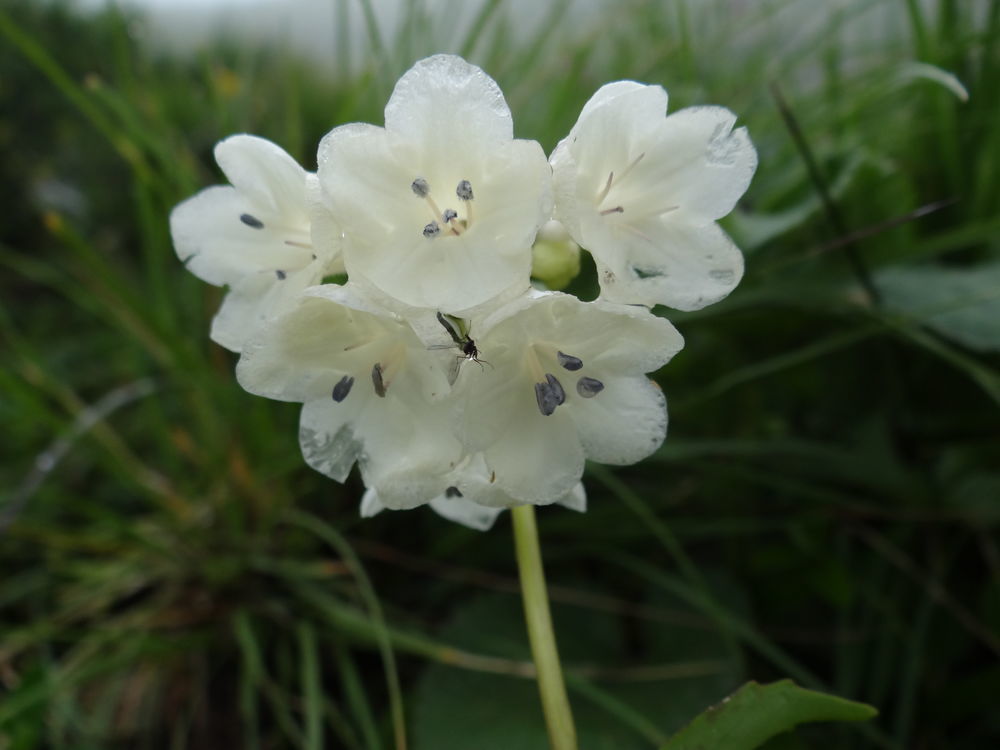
[[615, 706], [755, 713], [962, 304]]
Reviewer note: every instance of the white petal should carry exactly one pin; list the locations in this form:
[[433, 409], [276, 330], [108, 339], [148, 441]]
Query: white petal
[[697, 162], [255, 299], [477, 483], [220, 248], [622, 424], [402, 444], [327, 436], [326, 235], [609, 138], [645, 101], [402, 485], [466, 512], [539, 459], [370, 504], [265, 174], [575, 499], [681, 266], [332, 331], [450, 105], [626, 338]]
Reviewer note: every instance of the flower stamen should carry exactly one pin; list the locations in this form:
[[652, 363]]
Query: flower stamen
[[464, 192], [569, 362], [589, 387], [549, 395], [612, 182], [342, 388], [378, 382]]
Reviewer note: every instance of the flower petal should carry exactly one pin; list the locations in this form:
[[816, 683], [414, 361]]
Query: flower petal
[[450, 105], [698, 163], [254, 299], [327, 436], [622, 424], [539, 459], [466, 512], [575, 499], [219, 246], [265, 174], [681, 266]]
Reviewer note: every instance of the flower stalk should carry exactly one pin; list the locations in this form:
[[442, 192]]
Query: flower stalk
[[551, 687]]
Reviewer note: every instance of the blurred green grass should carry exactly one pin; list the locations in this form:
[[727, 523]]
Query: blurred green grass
[[825, 507]]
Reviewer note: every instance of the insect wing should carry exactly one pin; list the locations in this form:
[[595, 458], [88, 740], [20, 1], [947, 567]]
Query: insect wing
[[454, 368], [449, 325]]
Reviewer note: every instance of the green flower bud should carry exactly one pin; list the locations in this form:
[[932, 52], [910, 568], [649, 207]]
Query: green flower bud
[[555, 258]]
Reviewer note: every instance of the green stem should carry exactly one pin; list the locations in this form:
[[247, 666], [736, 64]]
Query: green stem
[[555, 704]]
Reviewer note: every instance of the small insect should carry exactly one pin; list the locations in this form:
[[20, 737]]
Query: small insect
[[459, 333]]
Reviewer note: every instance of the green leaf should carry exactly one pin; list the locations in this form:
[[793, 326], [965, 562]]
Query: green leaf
[[962, 304], [755, 713], [620, 702]]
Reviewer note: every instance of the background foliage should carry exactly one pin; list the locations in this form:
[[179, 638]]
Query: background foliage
[[825, 507]]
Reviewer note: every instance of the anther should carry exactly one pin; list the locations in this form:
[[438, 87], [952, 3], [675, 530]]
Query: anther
[[589, 387], [251, 221], [556, 387], [453, 492], [280, 274], [450, 214], [569, 362], [464, 190], [549, 395], [420, 187], [615, 210], [544, 399], [432, 230], [377, 380], [342, 388]]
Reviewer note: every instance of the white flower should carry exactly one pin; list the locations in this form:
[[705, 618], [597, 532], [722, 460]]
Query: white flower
[[561, 380], [440, 207], [254, 236], [642, 193], [369, 388]]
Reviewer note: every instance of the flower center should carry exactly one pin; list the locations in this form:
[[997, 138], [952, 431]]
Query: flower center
[[389, 363], [542, 360], [611, 195], [448, 221], [295, 261]]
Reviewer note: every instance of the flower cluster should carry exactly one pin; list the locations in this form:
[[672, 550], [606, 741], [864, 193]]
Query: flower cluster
[[437, 368]]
